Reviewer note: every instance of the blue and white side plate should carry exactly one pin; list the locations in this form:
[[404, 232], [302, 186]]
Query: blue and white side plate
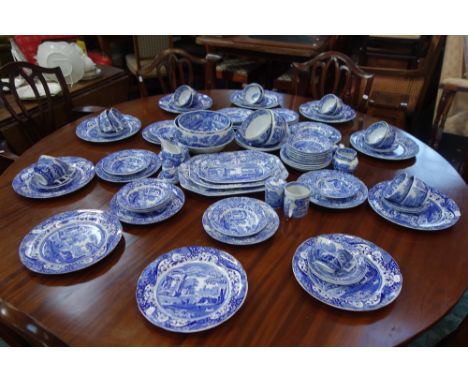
[[127, 162], [380, 286], [316, 179], [150, 132], [70, 241], [267, 232], [238, 216], [290, 116], [311, 110], [405, 147], [321, 128], [200, 102], [130, 217], [310, 166], [88, 130], [270, 99], [154, 163], [191, 289], [442, 212], [237, 115], [25, 185]]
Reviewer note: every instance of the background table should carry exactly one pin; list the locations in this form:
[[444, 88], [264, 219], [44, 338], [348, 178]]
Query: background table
[[97, 306]]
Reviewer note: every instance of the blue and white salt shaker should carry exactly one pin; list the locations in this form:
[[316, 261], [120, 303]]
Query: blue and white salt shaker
[[274, 192]]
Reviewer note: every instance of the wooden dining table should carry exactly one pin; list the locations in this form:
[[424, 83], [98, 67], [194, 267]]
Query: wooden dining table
[[97, 306]]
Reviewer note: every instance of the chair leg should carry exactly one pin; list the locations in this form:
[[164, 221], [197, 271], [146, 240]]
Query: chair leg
[[443, 108]]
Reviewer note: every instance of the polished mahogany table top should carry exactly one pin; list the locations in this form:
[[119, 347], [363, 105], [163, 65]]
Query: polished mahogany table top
[[97, 306]]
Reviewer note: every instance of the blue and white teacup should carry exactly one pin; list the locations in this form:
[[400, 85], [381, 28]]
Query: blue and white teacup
[[253, 93], [398, 188], [274, 191], [257, 128], [183, 96], [380, 136], [278, 130], [345, 159], [111, 122], [330, 104], [296, 200], [51, 171], [116, 119], [417, 194]]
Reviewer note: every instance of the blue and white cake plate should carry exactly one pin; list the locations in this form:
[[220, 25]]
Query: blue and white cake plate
[[125, 162], [311, 110], [70, 241], [405, 147], [88, 130], [137, 218], [237, 115], [150, 132], [25, 185], [200, 102], [442, 212], [267, 232], [191, 289], [327, 185], [270, 100], [379, 287], [320, 128]]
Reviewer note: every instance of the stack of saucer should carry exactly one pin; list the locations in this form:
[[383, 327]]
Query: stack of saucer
[[147, 201]]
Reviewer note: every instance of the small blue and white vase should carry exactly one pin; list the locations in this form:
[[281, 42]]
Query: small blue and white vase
[[345, 159], [274, 192], [296, 200]]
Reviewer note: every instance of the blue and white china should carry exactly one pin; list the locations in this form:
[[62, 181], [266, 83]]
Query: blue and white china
[[334, 189], [278, 132], [127, 163], [242, 143], [416, 195], [296, 200], [70, 241], [270, 100], [440, 211], [176, 203], [238, 216], [200, 102], [274, 192], [256, 129], [237, 115], [116, 119], [252, 94], [111, 123], [169, 172], [305, 165], [89, 130], [306, 142], [82, 172], [379, 287], [52, 172], [191, 289], [398, 187], [289, 116], [345, 159], [267, 232], [409, 210], [335, 262], [380, 136], [330, 104], [311, 110], [317, 127], [144, 195], [150, 132], [183, 96], [403, 148]]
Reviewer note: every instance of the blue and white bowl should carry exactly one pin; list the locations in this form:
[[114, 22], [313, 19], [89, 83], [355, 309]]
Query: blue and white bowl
[[397, 188], [111, 122], [279, 129], [417, 194], [380, 136], [183, 96], [330, 104], [52, 172], [253, 94], [257, 128]]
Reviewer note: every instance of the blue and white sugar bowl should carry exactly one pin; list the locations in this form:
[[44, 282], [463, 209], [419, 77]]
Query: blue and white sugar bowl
[[274, 191], [253, 93], [380, 136], [50, 171], [296, 200], [345, 159], [183, 96]]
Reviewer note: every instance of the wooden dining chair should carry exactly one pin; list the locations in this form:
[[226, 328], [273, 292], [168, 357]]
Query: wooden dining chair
[[333, 72], [175, 67]]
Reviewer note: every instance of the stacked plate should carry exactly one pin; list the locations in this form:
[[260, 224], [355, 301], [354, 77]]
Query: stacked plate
[[127, 165], [347, 272], [230, 173], [147, 201], [240, 221], [152, 132], [306, 150]]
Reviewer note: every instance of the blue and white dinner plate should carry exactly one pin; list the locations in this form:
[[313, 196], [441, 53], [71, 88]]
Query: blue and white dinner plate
[[24, 182], [70, 241], [149, 133], [290, 116], [267, 232], [191, 289], [311, 111], [137, 218], [88, 130], [316, 179], [237, 115], [380, 286], [405, 147], [152, 168], [321, 128], [200, 102], [270, 100], [442, 212], [238, 216]]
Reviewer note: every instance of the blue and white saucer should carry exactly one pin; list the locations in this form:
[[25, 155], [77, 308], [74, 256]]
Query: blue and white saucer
[[311, 110], [70, 241], [150, 132], [130, 217], [379, 287], [237, 115], [442, 212], [270, 100], [25, 185], [144, 195], [88, 130], [200, 102], [127, 164], [320, 128], [405, 147], [191, 289], [290, 116], [349, 184], [267, 232]]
